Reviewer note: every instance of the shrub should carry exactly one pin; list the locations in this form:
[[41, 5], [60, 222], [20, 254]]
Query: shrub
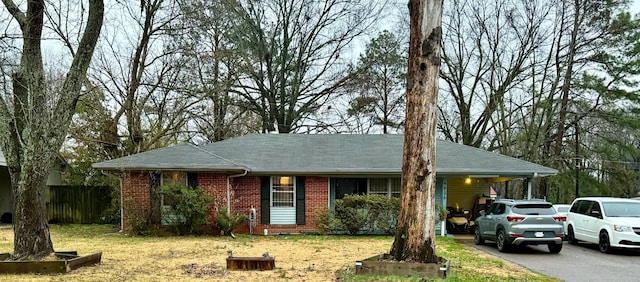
[[351, 219], [369, 213], [188, 207], [388, 219], [441, 213], [323, 220], [351, 213], [227, 222]]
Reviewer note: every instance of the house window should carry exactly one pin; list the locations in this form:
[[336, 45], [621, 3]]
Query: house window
[[170, 178], [283, 191], [379, 186], [389, 187], [395, 187], [174, 178]]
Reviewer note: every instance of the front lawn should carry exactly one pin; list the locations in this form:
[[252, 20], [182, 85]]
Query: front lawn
[[298, 258]]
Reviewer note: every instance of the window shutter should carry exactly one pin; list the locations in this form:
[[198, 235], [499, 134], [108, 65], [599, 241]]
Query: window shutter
[[300, 216], [265, 199], [154, 197], [192, 179]]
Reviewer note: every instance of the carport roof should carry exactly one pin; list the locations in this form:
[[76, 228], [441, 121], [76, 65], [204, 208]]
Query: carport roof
[[322, 154]]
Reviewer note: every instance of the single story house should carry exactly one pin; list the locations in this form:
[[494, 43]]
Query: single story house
[[286, 177]]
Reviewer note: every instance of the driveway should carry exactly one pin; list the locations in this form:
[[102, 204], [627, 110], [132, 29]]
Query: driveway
[[583, 262]]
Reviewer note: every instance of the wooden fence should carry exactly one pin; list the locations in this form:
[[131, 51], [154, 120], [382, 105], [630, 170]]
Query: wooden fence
[[78, 204]]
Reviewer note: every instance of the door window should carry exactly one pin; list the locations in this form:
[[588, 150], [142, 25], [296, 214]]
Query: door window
[[583, 207], [595, 210]]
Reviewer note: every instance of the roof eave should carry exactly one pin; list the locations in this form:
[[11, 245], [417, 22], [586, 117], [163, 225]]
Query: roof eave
[[346, 171], [489, 174], [171, 167]]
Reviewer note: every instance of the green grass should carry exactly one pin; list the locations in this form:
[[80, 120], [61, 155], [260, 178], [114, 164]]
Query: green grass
[[465, 265]]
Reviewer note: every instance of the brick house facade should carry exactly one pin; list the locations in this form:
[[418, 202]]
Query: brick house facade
[[288, 177], [244, 195]]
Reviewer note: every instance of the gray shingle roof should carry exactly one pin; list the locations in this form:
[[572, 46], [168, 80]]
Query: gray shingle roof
[[178, 157], [327, 154]]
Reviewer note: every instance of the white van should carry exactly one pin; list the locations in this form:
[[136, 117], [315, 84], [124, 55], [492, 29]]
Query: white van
[[609, 222]]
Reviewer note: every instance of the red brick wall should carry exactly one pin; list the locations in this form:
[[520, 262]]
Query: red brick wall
[[244, 192], [135, 196], [247, 194], [215, 184]]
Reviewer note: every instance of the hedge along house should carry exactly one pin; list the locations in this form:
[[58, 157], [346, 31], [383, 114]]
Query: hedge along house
[[287, 177]]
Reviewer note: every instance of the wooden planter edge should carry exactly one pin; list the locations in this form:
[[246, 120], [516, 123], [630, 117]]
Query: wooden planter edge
[[70, 261], [379, 265], [251, 263]]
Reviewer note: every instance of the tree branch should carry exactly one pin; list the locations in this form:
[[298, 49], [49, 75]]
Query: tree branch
[[16, 13]]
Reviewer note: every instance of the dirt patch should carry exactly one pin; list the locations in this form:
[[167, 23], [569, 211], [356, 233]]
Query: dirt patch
[[200, 271]]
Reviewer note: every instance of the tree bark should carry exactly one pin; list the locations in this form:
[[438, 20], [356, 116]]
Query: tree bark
[[31, 132], [415, 236]]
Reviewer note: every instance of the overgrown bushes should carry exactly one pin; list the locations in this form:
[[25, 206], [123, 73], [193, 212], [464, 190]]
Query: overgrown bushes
[[188, 208], [364, 213], [323, 220]]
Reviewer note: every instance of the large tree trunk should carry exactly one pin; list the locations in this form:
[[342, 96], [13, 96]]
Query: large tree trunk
[[415, 236], [30, 223], [34, 123]]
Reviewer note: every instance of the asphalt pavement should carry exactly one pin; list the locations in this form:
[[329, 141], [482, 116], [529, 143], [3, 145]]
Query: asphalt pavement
[[582, 262]]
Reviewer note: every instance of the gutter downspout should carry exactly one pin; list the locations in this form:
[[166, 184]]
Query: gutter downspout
[[229, 188]]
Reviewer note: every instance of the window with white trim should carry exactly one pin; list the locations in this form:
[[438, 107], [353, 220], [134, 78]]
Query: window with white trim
[[283, 191], [389, 187]]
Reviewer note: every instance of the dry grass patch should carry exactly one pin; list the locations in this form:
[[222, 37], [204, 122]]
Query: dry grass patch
[[298, 258]]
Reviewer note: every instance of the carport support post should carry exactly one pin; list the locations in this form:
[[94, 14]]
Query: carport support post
[[535, 174], [506, 189], [443, 223]]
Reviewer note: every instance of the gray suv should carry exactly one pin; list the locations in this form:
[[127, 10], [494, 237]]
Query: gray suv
[[520, 222]]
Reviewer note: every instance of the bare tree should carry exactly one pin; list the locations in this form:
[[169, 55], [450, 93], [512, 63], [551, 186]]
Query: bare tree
[[488, 46], [34, 121], [580, 88], [415, 236], [574, 80], [141, 74], [212, 69], [293, 54]]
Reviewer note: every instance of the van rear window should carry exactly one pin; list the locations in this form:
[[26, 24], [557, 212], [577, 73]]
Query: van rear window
[[534, 209]]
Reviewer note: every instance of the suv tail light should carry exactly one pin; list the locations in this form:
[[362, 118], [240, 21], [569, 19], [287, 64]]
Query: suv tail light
[[560, 218], [512, 218]]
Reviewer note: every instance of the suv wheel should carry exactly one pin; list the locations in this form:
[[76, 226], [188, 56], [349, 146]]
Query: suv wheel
[[501, 241], [571, 238], [477, 237], [554, 248], [603, 242]]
